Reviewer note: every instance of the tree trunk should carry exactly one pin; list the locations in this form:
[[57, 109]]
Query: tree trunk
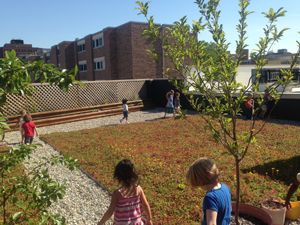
[[237, 172]]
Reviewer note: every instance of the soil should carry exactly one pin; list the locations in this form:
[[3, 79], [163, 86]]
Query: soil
[[246, 220], [273, 204]]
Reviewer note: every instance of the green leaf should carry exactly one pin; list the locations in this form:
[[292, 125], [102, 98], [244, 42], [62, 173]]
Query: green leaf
[[28, 79], [80, 83], [16, 215]]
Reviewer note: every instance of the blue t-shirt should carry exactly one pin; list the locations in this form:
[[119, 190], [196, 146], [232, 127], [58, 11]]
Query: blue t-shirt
[[170, 101], [218, 200]]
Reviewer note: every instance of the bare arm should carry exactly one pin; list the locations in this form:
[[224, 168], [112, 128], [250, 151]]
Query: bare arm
[[17, 124], [211, 217], [146, 208], [291, 191], [22, 130], [111, 209], [37, 133], [168, 102]]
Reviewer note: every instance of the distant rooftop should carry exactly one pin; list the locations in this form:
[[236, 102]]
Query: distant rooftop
[[16, 41]]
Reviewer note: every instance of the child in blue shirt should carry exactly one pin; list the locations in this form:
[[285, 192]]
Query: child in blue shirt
[[216, 208]]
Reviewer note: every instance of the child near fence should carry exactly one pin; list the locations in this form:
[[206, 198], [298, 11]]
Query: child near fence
[[20, 122], [28, 129]]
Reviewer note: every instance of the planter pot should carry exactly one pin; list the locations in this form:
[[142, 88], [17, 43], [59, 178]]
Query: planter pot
[[278, 215], [254, 211], [294, 213]]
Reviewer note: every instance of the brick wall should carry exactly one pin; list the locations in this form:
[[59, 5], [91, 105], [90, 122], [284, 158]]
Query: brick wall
[[143, 65], [105, 51], [124, 51], [69, 53], [113, 54], [89, 57], [53, 55]]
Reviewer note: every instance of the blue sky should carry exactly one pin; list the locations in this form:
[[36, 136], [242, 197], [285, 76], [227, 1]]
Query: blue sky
[[45, 23]]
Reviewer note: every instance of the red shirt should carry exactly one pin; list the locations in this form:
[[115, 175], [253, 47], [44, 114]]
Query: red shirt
[[28, 129], [248, 103]]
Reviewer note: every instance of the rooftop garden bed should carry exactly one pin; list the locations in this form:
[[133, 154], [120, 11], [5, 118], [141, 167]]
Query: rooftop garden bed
[[162, 151]]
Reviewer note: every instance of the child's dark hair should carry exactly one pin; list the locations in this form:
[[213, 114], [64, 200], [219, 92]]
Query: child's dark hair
[[27, 118], [124, 101], [126, 173], [177, 94]]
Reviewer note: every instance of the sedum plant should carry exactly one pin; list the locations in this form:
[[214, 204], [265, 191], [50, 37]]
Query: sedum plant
[[215, 78], [33, 192]]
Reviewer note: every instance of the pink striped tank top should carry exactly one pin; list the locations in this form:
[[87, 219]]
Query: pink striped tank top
[[129, 210]]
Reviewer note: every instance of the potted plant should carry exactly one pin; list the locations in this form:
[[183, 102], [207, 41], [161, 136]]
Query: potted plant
[[254, 211], [276, 208], [294, 213]]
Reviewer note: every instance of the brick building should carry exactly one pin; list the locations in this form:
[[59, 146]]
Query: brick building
[[22, 50], [114, 53]]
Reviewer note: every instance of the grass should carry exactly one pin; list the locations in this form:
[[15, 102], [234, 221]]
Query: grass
[[163, 150]]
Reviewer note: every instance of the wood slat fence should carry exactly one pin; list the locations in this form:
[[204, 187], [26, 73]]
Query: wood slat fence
[[52, 98]]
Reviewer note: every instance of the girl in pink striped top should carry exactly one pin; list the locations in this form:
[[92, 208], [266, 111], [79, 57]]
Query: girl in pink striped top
[[127, 202]]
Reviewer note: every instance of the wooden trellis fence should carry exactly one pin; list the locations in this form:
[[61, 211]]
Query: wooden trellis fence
[[51, 98]]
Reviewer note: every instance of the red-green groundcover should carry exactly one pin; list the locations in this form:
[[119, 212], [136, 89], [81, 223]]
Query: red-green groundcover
[[162, 150]]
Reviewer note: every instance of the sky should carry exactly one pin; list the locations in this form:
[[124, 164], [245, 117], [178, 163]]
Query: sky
[[44, 23]]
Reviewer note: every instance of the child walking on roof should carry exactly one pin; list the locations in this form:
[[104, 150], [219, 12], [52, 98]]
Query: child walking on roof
[[127, 202], [28, 128], [216, 207], [20, 123], [125, 111]]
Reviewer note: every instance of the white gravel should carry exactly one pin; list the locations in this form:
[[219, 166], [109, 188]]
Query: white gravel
[[86, 201]]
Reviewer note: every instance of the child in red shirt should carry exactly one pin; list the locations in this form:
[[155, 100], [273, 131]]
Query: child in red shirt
[[28, 128], [249, 106]]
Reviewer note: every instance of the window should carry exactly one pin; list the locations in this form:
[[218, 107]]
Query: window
[[98, 42], [81, 48], [82, 67], [47, 58], [100, 65]]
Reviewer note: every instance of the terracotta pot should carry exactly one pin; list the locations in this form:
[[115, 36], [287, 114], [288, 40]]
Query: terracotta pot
[[294, 213], [254, 211], [278, 215]]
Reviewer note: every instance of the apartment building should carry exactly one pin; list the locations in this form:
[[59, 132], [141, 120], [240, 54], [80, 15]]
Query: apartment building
[[22, 50], [114, 53]]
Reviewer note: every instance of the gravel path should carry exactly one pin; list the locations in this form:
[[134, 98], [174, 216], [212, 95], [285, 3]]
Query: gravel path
[[85, 201]]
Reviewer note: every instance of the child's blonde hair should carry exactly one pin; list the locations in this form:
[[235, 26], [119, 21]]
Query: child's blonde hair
[[22, 112], [169, 93], [202, 172]]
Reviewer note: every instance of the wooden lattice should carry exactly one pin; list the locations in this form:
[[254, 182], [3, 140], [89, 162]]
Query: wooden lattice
[[51, 98]]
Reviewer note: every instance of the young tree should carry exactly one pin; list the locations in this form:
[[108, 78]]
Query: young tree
[[215, 78], [32, 193], [36, 187], [15, 79]]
